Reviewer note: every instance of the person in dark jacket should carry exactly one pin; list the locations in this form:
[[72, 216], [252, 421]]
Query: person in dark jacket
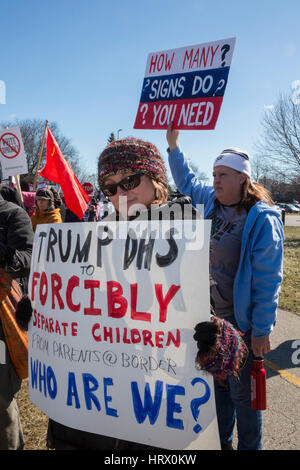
[[11, 194], [16, 239], [71, 217]]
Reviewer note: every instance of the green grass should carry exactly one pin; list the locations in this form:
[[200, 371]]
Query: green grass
[[290, 290]]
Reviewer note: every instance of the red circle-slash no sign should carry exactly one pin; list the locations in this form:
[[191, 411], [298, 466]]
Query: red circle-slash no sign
[[9, 145]]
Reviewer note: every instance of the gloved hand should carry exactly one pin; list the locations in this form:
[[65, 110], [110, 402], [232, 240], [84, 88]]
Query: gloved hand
[[221, 349], [205, 336], [24, 312]]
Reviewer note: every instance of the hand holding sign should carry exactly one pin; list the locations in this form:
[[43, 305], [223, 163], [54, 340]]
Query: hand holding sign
[[172, 137]]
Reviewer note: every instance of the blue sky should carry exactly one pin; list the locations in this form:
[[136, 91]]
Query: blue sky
[[82, 65]]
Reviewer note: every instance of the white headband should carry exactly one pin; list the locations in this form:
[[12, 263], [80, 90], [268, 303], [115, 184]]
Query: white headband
[[236, 159]]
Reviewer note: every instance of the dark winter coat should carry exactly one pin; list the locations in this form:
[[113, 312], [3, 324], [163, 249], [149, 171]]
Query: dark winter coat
[[17, 235], [16, 239]]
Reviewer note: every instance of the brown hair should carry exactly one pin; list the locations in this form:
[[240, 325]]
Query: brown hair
[[161, 192], [251, 193]]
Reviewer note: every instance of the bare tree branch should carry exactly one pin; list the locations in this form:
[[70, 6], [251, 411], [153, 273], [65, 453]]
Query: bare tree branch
[[279, 146]]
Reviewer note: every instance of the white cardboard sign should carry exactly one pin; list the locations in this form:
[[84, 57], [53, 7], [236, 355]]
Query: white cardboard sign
[[13, 158], [111, 348]]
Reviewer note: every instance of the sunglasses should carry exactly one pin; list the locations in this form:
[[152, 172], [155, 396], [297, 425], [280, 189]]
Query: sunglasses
[[128, 183]]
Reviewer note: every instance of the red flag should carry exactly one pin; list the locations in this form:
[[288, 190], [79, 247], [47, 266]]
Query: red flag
[[58, 170]]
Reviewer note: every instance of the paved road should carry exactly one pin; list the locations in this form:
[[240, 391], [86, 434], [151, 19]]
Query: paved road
[[292, 220], [281, 420]]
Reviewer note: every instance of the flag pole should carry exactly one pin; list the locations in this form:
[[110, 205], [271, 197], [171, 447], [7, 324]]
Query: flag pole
[[40, 156], [18, 186]]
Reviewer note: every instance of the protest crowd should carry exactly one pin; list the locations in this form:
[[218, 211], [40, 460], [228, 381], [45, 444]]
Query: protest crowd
[[245, 270], [75, 288]]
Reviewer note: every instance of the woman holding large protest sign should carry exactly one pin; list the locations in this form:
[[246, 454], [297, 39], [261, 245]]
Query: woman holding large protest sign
[[132, 174], [130, 171], [245, 268]]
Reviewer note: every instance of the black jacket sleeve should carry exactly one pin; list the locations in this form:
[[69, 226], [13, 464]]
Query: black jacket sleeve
[[17, 234]]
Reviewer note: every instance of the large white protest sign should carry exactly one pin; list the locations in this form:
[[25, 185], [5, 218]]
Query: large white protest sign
[[185, 86], [13, 158], [111, 348]]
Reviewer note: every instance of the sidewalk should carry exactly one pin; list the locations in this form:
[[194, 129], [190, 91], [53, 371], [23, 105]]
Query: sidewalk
[[282, 418], [281, 429]]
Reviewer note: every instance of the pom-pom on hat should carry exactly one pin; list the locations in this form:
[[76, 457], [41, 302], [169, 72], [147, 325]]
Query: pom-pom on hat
[[131, 154], [221, 349]]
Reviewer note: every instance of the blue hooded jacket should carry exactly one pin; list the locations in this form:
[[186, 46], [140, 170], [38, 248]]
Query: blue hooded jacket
[[259, 275]]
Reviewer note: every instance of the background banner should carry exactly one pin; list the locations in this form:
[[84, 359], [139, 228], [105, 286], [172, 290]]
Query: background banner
[[13, 158]]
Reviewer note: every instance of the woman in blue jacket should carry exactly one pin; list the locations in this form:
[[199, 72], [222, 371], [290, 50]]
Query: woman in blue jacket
[[246, 251]]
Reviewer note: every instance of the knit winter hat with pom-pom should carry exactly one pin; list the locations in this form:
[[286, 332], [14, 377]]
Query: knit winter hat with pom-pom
[[130, 154]]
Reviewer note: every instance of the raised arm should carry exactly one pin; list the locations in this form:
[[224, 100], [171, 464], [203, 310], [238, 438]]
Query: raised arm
[[185, 179]]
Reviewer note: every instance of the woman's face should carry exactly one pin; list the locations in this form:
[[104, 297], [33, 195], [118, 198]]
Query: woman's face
[[42, 204], [228, 184], [123, 201]]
